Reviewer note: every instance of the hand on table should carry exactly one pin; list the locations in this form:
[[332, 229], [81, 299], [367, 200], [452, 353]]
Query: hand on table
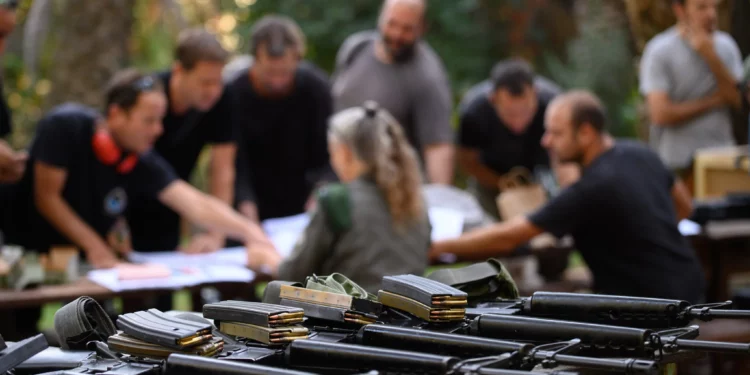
[[203, 243], [262, 257], [102, 258]]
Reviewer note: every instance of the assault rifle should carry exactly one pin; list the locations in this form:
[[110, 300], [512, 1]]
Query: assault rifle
[[624, 311], [97, 360], [599, 339], [523, 356]]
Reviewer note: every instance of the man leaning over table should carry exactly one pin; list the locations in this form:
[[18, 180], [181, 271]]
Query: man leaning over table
[[82, 169], [623, 212]]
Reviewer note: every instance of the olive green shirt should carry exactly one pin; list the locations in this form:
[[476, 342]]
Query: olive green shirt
[[369, 249]]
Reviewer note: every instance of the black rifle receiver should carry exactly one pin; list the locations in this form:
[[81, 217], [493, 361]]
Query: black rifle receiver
[[625, 311]]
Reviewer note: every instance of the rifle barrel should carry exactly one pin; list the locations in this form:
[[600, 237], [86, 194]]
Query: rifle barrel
[[719, 314], [327, 355], [626, 366], [496, 371], [713, 346], [195, 365], [435, 342]]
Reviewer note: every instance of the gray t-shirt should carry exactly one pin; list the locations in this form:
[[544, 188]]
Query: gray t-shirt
[[417, 93], [671, 65]]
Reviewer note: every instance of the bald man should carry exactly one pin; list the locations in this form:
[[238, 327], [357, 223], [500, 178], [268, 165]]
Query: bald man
[[396, 68], [623, 211], [11, 163]]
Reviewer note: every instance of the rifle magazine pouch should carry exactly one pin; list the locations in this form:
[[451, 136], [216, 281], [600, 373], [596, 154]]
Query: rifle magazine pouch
[[480, 281], [81, 321]]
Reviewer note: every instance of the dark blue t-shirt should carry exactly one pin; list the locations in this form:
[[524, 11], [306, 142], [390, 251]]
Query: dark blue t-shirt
[[153, 226], [96, 192], [622, 217]]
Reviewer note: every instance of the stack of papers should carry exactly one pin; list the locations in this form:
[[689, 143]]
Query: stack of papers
[[175, 270]]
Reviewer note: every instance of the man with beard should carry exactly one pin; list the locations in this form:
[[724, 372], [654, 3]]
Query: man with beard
[[11, 163], [689, 75], [623, 212], [282, 118], [397, 69]]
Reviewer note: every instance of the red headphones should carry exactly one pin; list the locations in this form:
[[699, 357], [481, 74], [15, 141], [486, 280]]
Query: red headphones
[[109, 153]]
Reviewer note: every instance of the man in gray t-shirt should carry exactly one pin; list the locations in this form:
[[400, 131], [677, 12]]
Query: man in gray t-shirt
[[397, 69], [689, 75]]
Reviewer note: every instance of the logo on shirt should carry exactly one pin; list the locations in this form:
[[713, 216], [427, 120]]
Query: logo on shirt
[[115, 201]]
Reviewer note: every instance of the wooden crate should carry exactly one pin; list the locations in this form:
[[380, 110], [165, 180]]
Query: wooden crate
[[718, 171]]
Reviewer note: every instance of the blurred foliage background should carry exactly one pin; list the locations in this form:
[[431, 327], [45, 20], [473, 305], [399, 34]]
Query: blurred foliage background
[[65, 50]]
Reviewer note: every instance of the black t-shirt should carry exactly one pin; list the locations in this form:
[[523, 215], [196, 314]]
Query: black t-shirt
[[500, 149], [154, 226], [283, 148], [622, 217], [96, 192]]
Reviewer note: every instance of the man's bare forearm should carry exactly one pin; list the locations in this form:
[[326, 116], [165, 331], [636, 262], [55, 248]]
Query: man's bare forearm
[[675, 114], [69, 224], [439, 163], [488, 241], [209, 212]]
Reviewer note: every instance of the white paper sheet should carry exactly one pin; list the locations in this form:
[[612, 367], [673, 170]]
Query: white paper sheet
[[689, 228], [226, 265], [446, 223]]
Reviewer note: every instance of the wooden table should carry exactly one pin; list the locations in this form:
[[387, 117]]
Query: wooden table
[[724, 250], [11, 299]]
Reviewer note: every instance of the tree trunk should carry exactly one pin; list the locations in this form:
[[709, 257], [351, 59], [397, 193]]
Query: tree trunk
[[92, 44]]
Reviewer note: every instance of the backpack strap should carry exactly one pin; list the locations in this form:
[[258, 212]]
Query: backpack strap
[[334, 200], [352, 48]]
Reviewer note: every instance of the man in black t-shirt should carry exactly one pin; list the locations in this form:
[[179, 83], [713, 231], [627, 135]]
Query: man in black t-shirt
[[198, 114], [85, 170], [11, 163], [623, 212], [501, 127], [282, 122]]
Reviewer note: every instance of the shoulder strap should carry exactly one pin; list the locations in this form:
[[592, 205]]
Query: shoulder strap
[[353, 49], [334, 201]]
